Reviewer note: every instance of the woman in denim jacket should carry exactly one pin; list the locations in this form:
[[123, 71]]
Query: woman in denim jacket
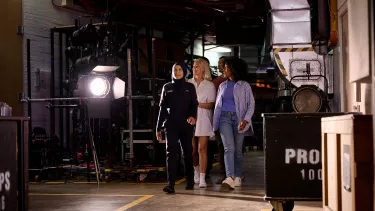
[[232, 117]]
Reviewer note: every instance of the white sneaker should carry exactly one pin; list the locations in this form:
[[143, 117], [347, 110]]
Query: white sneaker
[[237, 182], [196, 174], [202, 182], [229, 183]]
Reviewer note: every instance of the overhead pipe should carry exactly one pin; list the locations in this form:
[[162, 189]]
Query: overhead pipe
[[323, 23], [203, 44], [333, 38]]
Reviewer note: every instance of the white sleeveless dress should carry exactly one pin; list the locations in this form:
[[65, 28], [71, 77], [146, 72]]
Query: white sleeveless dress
[[206, 93]]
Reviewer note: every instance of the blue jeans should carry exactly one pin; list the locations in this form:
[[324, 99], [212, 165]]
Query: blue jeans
[[232, 141]]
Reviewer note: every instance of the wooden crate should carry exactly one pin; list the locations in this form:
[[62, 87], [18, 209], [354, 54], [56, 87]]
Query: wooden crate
[[347, 162]]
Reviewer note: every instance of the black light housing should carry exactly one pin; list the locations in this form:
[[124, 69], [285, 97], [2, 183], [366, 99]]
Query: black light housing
[[101, 86], [101, 83], [309, 99]]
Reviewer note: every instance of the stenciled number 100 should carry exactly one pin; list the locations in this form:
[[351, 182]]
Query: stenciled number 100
[[311, 174]]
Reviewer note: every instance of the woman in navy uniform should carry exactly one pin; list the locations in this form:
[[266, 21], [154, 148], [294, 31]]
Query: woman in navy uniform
[[177, 116]]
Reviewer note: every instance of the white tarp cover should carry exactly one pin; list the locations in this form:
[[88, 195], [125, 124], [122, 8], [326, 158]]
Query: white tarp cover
[[291, 27]]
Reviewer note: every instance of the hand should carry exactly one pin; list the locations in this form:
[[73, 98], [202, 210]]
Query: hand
[[158, 136], [191, 120], [242, 125]]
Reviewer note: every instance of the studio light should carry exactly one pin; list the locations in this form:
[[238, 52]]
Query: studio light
[[99, 87], [101, 83], [308, 99]]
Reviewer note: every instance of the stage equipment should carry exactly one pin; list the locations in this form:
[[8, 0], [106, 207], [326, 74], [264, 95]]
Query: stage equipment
[[102, 86]]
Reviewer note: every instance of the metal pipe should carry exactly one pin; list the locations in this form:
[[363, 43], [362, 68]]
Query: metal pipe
[[154, 93], [334, 23], [192, 53], [219, 46], [140, 97], [52, 87], [85, 124], [29, 111], [61, 106], [29, 100], [130, 106], [67, 112], [203, 44], [57, 99], [61, 90]]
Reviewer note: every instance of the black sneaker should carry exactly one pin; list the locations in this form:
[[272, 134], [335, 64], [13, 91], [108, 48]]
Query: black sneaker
[[168, 189], [189, 186]]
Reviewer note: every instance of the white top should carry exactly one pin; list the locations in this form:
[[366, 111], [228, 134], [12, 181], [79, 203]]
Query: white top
[[206, 93]]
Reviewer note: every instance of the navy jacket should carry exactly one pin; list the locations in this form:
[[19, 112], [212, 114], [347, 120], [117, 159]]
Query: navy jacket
[[178, 102]]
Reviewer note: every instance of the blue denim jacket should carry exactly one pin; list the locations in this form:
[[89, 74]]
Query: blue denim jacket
[[244, 101]]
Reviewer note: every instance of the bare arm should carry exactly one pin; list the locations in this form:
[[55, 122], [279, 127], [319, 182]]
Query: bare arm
[[206, 105], [211, 92]]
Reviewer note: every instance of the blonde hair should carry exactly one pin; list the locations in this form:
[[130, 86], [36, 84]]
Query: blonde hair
[[206, 67]]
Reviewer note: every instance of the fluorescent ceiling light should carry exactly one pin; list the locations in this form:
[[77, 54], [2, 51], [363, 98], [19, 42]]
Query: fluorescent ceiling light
[[218, 49]]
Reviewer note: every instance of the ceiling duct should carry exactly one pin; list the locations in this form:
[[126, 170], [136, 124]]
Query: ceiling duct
[[291, 22], [291, 42]]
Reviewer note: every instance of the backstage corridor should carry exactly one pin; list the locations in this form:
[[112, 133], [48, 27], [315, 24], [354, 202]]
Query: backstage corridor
[[117, 196]]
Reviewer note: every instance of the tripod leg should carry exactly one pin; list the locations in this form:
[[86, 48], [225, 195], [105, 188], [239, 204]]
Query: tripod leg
[[94, 155]]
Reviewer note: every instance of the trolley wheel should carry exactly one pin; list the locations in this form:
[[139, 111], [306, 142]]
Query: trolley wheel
[[286, 206]]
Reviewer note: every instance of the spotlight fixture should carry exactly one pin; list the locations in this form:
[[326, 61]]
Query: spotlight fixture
[[308, 99], [100, 87], [101, 83]]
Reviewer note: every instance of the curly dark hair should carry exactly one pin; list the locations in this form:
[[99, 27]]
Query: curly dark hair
[[238, 68]]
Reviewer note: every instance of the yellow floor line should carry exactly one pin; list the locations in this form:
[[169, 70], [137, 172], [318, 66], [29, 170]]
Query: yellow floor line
[[298, 209], [145, 183], [180, 181], [84, 194], [54, 183], [134, 203], [88, 183]]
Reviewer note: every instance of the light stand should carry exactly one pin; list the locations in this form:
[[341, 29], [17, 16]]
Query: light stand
[[86, 129]]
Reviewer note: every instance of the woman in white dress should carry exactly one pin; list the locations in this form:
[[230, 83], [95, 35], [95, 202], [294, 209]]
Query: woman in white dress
[[206, 93]]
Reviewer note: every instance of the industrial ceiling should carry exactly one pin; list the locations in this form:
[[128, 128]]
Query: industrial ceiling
[[230, 18]]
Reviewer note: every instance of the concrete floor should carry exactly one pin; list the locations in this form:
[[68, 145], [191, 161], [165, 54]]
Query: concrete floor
[[149, 197]]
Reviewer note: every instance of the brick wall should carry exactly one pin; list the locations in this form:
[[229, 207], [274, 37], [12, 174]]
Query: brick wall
[[39, 16]]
